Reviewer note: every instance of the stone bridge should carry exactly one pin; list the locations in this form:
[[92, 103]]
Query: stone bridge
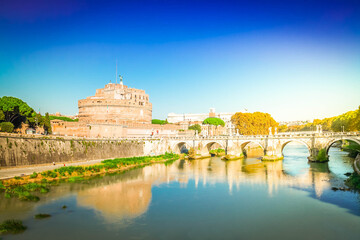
[[272, 145], [20, 150]]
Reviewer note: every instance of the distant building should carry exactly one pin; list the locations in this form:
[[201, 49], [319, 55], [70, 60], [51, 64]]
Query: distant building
[[30, 131], [198, 117], [116, 104], [294, 123]]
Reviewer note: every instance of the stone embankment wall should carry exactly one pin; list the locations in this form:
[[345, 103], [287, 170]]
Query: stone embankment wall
[[16, 150]]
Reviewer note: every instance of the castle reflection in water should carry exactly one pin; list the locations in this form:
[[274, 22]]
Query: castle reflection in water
[[130, 195]]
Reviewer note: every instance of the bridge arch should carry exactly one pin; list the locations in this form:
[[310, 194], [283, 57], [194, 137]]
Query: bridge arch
[[332, 141], [244, 144], [210, 144], [180, 147], [297, 141]]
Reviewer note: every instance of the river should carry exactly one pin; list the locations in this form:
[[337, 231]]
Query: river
[[201, 199]]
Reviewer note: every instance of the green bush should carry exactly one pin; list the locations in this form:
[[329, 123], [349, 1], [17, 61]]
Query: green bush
[[34, 175], [353, 181], [321, 157], [158, 121], [75, 179], [214, 121], [6, 127], [217, 151], [195, 127], [66, 119], [44, 190], [32, 186], [42, 216], [49, 173], [22, 192], [12, 226], [352, 148]]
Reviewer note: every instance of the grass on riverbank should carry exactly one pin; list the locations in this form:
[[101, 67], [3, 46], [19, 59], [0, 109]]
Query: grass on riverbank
[[27, 187]]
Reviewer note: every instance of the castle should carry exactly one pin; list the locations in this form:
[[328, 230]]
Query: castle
[[115, 111], [116, 104]]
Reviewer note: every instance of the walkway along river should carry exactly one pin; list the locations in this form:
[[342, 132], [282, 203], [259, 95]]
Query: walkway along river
[[201, 199]]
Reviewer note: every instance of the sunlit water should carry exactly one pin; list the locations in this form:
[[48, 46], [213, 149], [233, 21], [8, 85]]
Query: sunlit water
[[202, 199]]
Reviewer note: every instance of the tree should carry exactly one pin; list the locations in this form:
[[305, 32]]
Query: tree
[[357, 120], [47, 123], [15, 110], [36, 121], [214, 121], [256, 123], [195, 127], [345, 122], [2, 116], [6, 127], [283, 128], [158, 121]]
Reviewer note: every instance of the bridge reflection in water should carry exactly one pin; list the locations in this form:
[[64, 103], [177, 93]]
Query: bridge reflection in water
[[130, 195]]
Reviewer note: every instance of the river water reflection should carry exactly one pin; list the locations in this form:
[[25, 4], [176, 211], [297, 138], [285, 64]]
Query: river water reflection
[[202, 199]]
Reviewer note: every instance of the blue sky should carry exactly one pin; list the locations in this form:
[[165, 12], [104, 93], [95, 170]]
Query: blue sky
[[296, 60]]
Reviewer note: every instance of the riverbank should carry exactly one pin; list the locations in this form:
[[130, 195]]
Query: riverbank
[[10, 172], [23, 187]]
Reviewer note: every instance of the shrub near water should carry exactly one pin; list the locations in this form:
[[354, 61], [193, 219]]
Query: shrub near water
[[217, 151], [23, 192], [321, 157], [42, 216], [353, 181], [12, 226]]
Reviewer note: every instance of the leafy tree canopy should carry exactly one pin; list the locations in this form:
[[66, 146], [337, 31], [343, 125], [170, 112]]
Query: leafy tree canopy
[[349, 121], [66, 119], [15, 109], [214, 121], [256, 123], [158, 121], [195, 127], [2, 116]]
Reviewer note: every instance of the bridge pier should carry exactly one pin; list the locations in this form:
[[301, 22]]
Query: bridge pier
[[273, 150], [233, 151], [318, 155]]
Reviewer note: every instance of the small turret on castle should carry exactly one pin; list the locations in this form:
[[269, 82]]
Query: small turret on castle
[[116, 104]]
